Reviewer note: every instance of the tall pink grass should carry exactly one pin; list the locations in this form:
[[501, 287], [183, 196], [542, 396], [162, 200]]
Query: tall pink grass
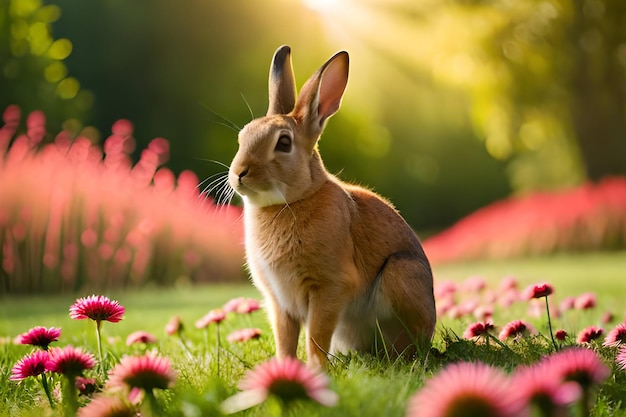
[[590, 217], [74, 215]]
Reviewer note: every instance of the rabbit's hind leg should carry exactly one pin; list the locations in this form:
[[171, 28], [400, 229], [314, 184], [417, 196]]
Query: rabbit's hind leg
[[406, 284]]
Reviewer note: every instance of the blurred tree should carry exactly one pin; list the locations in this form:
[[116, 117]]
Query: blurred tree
[[547, 80], [32, 68]]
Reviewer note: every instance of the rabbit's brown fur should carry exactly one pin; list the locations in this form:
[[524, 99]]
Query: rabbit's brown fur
[[331, 256]]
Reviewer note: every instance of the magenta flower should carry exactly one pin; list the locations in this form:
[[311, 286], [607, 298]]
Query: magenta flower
[[621, 358], [243, 335], [538, 291], [580, 365], [70, 361], [588, 334], [475, 330], [107, 406], [232, 305], [33, 364], [140, 336], [146, 372], [560, 335], [287, 379], [538, 386], [617, 336], [97, 308], [86, 386], [465, 389], [39, 336], [516, 329], [213, 316]]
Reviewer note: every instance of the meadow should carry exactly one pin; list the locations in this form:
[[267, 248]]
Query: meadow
[[366, 386]]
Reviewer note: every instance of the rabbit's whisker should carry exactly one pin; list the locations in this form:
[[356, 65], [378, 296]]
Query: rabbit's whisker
[[224, 121]]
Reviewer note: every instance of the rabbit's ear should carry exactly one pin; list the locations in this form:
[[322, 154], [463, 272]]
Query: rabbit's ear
[[282, 85], [321, 96]]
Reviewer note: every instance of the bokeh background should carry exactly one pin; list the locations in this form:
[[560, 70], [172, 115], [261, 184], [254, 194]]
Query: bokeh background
[[451, 104]]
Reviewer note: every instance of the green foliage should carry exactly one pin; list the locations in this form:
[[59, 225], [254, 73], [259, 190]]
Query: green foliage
[[33, 71]]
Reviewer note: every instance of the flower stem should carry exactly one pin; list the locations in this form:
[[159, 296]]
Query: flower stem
[[46, 388], [550, 325], [98, 336], [217, 348], [70, 402]]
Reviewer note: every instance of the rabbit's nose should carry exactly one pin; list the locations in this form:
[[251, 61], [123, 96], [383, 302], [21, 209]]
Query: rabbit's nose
[[243, 174]]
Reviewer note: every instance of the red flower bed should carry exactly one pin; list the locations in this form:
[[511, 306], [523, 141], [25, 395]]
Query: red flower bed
[[73, 216], [590, 217]]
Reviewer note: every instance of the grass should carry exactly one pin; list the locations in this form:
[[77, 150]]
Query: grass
[[367, 386]]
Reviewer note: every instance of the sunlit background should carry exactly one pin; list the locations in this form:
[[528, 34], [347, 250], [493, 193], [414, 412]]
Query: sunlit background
[[451, 104]]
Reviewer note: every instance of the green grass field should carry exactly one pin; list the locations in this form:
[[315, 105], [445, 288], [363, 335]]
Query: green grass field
[[367, 386]]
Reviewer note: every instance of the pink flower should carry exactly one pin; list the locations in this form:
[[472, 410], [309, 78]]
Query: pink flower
[[34, 364], [241, 305], [107, 406], [243, 335], [607, 317], [560, 334], [474, 284], [287, 379], [70, 361], [86, 386], [616, 336], [146, 372], [97, 308], [621, 358], [477, 329], [463, 389], [539, 386], [585, 301], [213, 316], [516, 328], [174, 326], [538, 291], [588, 334], [39, 336], [140, 336], [567, 304], [580, 365]]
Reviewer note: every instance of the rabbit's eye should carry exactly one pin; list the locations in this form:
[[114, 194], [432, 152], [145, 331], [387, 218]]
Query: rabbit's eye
[[283, 144]]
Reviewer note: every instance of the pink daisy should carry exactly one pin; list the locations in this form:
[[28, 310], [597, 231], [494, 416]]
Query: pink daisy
[[465, 389], [243, 335], [70, 361], [107, 406], [537, 385], [538, 291], [516, 329], [174, 326], [588, 334], [98, 308], [567, 304], [146, 372], [34, 364], [478, 329], [560, 335], [86, 386], [140, 336], [580, 365], [231, 305], [287, 379], [585, 301], [39, 336], [247, 306], [621, 357], [213, 316], [616, 336]]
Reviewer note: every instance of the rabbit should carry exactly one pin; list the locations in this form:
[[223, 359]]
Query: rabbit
[[333, 257]]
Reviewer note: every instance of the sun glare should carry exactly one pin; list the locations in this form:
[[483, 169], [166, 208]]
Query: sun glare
[[322, 6]]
